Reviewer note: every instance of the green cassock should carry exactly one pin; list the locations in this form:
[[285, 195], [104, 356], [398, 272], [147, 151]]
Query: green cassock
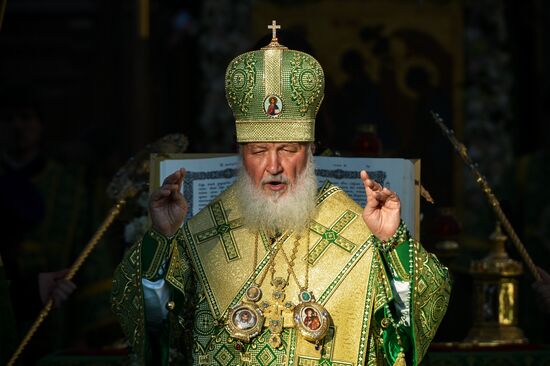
[[209, 265]]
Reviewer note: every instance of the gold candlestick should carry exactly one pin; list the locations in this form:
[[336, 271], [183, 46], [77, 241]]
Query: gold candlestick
[[496, 296]]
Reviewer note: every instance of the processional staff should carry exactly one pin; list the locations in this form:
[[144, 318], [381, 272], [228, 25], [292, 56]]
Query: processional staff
[[493, 201], [126, 183]]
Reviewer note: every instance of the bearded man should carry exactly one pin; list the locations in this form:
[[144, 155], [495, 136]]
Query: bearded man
[[276, 247]]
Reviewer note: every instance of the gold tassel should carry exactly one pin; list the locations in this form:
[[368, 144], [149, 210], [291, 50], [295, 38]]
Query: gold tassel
[[400, 360]]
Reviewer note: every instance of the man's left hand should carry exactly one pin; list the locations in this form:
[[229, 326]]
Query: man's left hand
[[382, 213], [54, 286]]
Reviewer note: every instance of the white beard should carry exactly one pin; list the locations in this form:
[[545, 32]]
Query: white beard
[[274, 211]]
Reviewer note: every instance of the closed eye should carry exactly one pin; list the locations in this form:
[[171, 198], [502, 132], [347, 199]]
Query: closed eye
[[290, 148]]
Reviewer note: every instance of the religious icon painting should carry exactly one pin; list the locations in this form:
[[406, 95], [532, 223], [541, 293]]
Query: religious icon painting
[[253, 293], [273, 105], [312, 320], [245, 321]]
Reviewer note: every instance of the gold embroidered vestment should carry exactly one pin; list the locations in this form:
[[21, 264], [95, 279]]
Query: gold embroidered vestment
[[209, 265]]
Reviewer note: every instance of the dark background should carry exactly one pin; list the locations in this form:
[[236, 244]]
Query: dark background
[[106, 83]]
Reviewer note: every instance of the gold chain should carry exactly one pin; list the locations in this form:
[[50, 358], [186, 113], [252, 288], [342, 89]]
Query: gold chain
[[269, 264], [255, 251], [290, 262]]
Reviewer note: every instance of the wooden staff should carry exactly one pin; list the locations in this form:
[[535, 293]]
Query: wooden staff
[[126, 184], [493, 201]]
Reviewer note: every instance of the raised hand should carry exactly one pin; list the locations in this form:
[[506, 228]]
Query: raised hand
[[382, 213], [167, 206]]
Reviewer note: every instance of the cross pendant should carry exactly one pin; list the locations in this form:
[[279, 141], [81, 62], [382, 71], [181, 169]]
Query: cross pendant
[[278, 314]]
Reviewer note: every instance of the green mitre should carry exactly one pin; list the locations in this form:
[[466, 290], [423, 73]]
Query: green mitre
[[275, 94]]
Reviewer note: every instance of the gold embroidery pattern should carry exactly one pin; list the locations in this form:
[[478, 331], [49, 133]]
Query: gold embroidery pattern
[[397, 265], [375, 355], [431, 295], [308, 361], [325, 186], [383, 291], [368, 312], [214, 346], [327, 351], [222, 229], [272, 71], [160, 254], [273, 131], [330, 236], [327, 191], [127, 299], [179, 268], [306, 82], [240, 80]]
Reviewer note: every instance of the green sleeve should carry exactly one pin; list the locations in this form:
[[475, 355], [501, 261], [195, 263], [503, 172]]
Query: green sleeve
[[406, 260], [127, 302], [143, 260], [154, 257], [155, 249], [430, 294], [397, 254]]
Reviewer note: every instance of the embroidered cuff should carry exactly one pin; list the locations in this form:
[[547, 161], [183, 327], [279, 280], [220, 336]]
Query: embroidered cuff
[[154, 253], [398, 252], [400, 236]]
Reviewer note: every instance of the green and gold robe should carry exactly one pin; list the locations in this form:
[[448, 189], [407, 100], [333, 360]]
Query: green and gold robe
[[209, 265]]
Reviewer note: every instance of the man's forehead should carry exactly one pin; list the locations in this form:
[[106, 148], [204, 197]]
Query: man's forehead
[[274, 144]]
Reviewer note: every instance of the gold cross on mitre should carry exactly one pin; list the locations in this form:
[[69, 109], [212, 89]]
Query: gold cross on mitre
[[274, 26], [274, 44]]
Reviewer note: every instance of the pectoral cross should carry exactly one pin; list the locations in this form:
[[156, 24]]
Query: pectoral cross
[[278, 314], [274, 26]]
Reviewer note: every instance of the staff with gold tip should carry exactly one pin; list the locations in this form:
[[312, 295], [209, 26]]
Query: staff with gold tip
[[493, 201]]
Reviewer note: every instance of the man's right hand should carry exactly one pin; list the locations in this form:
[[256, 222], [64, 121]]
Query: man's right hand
[[167, 206]]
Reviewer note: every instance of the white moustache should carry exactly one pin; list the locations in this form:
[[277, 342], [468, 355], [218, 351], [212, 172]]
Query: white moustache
[[278, 178]]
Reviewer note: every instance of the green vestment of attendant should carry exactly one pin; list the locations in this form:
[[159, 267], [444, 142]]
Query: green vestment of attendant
[[209, 264]]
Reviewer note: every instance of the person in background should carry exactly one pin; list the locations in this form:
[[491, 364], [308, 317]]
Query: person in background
[[45, 222]]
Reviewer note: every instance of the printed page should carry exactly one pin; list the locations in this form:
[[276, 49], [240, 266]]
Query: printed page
[[208, 177], [205, 179], [396, 174]]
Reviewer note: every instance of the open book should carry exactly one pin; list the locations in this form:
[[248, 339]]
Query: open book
[[208, 175]]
